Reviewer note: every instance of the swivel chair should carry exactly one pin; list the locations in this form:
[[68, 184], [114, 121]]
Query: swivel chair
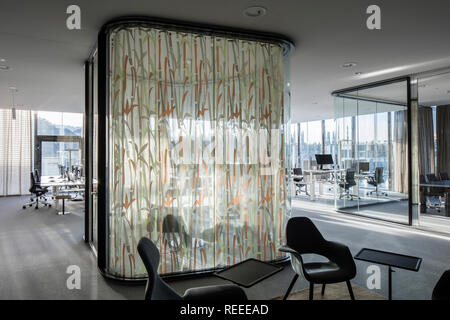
[[38, 194], [157, 289], [304, 238], [299, 182], [375, 181], [37, 178], [347, 183]]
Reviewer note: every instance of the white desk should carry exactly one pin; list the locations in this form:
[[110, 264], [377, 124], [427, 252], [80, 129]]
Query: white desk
[[56, 183], [312, 180]]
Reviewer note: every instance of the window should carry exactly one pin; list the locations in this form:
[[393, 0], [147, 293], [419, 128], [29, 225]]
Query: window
[[59, 123], [58, 141]]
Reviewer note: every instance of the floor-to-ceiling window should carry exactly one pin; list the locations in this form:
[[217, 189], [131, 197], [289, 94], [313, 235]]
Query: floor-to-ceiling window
[[58, 141]]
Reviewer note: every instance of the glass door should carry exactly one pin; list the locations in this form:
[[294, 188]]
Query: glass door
[[372, 130]]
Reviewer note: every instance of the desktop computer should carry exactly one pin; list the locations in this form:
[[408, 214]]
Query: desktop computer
[[324, 159]]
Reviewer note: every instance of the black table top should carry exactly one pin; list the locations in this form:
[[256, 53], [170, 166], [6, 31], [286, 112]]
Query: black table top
[[389, 259], [248, 272]]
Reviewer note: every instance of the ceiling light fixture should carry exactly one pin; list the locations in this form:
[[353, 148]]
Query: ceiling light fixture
[[3, 67], [2, 60], [349, 65], [254, 12], [13, 109]]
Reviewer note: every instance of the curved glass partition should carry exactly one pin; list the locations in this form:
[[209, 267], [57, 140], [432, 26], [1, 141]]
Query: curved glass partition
[[196, 149]]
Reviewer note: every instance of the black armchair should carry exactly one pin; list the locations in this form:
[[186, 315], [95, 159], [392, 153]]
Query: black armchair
[[442, 289], [304, 238], [157, 289]]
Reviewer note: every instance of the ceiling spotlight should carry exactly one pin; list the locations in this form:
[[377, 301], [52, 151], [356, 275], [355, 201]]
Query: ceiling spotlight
[[349, 65], [254, 12], [3, 67]]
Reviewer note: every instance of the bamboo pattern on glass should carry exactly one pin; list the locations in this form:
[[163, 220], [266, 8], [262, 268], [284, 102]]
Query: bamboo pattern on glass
[[177, 102]]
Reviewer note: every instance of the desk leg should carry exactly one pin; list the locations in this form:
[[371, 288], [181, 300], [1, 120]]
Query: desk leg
[[313, 186], [390, 283]]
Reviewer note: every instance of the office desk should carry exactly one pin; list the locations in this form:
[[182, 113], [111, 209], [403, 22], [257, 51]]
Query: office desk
[[56, 183], [389, 259], [312, 181], [437, 184]]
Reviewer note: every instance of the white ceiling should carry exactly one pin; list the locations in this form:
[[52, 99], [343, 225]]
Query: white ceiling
[[47, 59]]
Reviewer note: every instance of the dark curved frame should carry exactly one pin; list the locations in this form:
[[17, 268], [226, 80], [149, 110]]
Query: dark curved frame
[[103, 175]]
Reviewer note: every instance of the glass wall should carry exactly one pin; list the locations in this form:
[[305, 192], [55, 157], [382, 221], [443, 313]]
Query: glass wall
[[372, 142], [198, 147]]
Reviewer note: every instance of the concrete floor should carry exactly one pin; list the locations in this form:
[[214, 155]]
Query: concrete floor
[[37, 246]]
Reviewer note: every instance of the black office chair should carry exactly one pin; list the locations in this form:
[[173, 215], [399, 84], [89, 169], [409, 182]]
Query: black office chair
[[347, 183], [304, 238], [39, 193], [444, 176], [37, 178], [299, 182], [157, 289], [376, 180], [441, 290]]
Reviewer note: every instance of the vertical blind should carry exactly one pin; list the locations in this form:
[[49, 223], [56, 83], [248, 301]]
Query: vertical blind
[[15, 152], [197, 149]]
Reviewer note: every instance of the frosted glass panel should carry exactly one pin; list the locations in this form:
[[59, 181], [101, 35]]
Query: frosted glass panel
[[197, 149]]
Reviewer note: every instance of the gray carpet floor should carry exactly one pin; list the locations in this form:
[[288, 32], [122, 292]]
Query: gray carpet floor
[[37, 246]]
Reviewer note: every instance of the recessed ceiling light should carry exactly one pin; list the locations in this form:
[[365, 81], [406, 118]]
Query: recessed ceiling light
[[3, 67], [254, 12], [2, 60], [349, 65]]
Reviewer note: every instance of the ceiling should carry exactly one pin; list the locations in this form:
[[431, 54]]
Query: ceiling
[[47, 59]]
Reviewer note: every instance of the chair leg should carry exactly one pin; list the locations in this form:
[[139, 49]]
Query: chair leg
[[290, 287], [311, 291], [323, 288], [350, 290]]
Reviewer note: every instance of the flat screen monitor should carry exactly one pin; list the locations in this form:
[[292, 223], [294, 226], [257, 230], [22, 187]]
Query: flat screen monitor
[[324, 159], [364, 167]]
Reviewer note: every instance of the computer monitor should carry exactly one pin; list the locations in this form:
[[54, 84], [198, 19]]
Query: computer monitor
[[324, 159], [364, 167]]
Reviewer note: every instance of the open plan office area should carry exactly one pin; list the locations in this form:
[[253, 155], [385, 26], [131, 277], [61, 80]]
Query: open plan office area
[[215, 152]]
